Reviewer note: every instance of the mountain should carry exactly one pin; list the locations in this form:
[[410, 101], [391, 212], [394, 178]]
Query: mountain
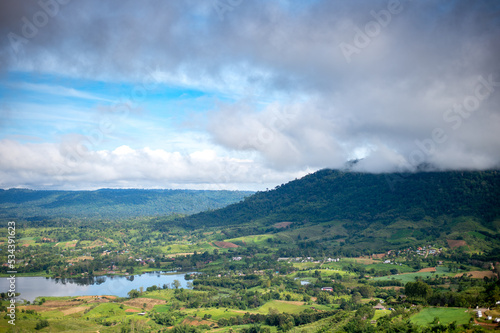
[[337, 195], [349, 214], [110, 203]]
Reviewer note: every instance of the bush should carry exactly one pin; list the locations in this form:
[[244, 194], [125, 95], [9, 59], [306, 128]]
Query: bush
[[41, 324]]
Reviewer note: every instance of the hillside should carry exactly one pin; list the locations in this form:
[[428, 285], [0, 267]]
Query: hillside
[[110, 204], [335, 195]]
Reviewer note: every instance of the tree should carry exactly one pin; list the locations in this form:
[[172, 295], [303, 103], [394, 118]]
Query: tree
[[176, 284], [41, 324], [365, 312], [323, 298], [366, 291], [134, 293], [356, 298], [418, 290]]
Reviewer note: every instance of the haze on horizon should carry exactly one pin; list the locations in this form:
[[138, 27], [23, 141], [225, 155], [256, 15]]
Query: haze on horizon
[[240, 94]]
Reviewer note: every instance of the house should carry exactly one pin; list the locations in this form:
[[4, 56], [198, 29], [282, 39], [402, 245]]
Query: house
[[330, 289], [379, 307]]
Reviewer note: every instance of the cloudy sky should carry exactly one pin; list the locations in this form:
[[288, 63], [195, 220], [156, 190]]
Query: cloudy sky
[[243, 94]]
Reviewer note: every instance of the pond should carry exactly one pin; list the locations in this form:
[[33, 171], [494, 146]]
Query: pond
[[32, 287]]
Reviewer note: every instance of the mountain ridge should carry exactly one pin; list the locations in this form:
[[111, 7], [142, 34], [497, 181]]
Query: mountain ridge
[[345, 195], [110, 203]]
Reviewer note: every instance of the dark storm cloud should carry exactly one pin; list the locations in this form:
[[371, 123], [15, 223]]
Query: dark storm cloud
[[373, 79]]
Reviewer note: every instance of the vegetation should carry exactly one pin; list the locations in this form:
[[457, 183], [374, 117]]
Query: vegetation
[[110, 203], [332, 252], [329, 195]]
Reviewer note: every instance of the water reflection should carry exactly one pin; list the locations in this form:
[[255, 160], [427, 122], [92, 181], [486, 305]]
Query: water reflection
[[32, 287]]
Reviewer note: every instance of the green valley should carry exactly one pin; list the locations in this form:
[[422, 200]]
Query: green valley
[[332, 252]]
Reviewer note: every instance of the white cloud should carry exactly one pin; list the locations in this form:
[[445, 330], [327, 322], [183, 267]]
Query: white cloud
[[300, 105], [68, 167]]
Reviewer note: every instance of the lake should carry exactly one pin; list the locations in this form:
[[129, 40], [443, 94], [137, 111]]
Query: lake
[[32, 287]]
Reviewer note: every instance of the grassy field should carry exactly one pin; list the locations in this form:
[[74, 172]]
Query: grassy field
[[445, 315], [68, 244], [160, 294], [405, 278], [380, 313], [305, 265], [387, 267], [282, 306], [216, 313], [258, 240], [325, 273], [187, 248], [410, 277]]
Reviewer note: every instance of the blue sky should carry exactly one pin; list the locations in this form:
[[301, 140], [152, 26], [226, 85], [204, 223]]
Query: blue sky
[[247, 95], [47, 107]]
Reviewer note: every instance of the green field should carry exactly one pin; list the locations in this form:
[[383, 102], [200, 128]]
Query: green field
[[187, 248], [66, 244], [28, 241], [387, 267], [305, 265], [282, 306], [410, 277], [380, 313], [325, 273], [216, 313], [254, 239], [405, 278], [107, 310], [445, 315]]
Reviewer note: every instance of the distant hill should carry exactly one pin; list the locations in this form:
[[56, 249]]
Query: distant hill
[[329, 195], [110, 203]]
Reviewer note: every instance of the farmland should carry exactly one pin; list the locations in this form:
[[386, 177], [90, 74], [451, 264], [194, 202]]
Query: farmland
[[445, 316]]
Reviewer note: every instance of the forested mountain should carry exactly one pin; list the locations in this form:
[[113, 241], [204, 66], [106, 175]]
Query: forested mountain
[[110, 203], [329, 195]]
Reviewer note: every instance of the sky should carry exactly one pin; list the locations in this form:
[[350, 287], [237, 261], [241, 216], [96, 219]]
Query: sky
[[243, 94]]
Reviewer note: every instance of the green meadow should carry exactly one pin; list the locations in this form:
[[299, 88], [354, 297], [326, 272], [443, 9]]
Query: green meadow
[[444, 315]]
